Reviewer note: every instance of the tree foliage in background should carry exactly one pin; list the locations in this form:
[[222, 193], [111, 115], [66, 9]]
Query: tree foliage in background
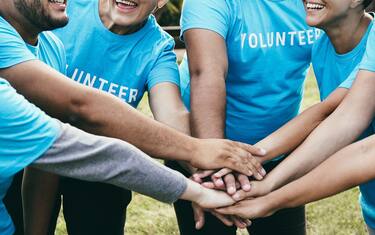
[[170, 14]]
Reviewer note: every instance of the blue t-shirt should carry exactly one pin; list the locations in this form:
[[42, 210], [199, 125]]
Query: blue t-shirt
[[25, 132], [331, 69], [123, 65], [367, 198], [269, 51]]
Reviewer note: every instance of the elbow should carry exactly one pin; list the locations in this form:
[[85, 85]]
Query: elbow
[[80, 112]]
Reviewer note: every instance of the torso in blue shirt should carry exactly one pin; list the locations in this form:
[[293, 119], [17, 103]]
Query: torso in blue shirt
[[367, 198], [123, 65], [269, 52], [331, 68], [25, 131]]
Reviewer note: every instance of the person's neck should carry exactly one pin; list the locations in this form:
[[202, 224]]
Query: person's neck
[[28, 31], [348, 32], [107, 21]]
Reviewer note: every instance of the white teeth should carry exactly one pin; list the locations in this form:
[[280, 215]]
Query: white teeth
[[57, 1], [127, 2], [314, 6]]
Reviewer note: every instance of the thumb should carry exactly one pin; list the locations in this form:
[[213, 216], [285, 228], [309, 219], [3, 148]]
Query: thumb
[[198, 216]]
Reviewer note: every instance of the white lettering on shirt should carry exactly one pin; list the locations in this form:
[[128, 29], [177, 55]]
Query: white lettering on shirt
[[279, 39], [125, 93]]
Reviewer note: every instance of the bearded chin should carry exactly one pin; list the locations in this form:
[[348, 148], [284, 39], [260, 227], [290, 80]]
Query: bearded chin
[[51, 24], [34, 12]]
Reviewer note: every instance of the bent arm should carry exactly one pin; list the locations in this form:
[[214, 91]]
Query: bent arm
[[292, 134], [341, 128]]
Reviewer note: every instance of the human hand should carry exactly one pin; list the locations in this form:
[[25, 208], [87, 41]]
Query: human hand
[[228, 220], [219, 153], [225, 179], [249, 208]]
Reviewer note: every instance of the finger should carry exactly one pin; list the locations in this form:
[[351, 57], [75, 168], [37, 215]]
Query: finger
[[209, 185], [230, 210], [238, 222], [198, 216], [221, 173], [239, 161], [252, 167], [224, 219], [240, 195], [261, 171], [230, 183], [244, 181], [218, 182], [253, 150], [202, 174]]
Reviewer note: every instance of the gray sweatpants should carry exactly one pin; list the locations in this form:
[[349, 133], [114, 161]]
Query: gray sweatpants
[[84, 156]]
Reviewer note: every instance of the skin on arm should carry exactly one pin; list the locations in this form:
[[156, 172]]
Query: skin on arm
[[341, 128], [287, 138], [167, 107], [208, 66], [347, 168], [103, 114]]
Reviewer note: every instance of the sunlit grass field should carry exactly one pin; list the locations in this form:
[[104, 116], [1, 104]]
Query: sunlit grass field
[[336, 215]]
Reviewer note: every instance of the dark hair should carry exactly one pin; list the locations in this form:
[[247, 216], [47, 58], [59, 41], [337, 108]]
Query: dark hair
[[366, 3]]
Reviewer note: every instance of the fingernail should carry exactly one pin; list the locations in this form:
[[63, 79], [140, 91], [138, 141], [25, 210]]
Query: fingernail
[[259, 176], [236, 197], [263, 171], [246, 187], [197, 225], [263, 151], [231, 190]]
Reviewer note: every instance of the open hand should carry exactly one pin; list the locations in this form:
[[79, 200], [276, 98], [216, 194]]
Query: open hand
[[248, 209], [219, 153]]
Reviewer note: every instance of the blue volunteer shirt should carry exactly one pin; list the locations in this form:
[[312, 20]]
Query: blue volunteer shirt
[[269, 51], [25, 132], [367, 198], [123, 65], [331, 69]]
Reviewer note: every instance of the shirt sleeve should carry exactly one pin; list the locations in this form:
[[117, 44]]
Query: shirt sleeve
[[209, 14], [368, 61], [348, 83], [165, 68], [13, 49]]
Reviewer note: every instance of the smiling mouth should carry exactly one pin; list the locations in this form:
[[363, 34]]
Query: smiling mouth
[[311, 6], [57, 1], [126, 4]]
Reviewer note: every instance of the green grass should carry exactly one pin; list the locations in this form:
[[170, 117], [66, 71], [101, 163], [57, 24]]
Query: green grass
[[336, 215]]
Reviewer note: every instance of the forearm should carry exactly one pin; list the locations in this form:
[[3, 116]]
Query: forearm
[[208, 104], [39, 195], [208, 66], [347, 168], [341, 128], [292, 134], [77, 154], [95, 111]]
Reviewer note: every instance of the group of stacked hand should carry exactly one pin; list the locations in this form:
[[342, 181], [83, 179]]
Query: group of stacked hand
[[235, 191]]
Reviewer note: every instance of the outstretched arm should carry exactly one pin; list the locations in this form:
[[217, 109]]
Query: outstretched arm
[[103, 114], [341, 128], [347, 168], [292, 134]]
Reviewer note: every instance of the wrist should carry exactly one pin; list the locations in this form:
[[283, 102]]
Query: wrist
[[193, 192]]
